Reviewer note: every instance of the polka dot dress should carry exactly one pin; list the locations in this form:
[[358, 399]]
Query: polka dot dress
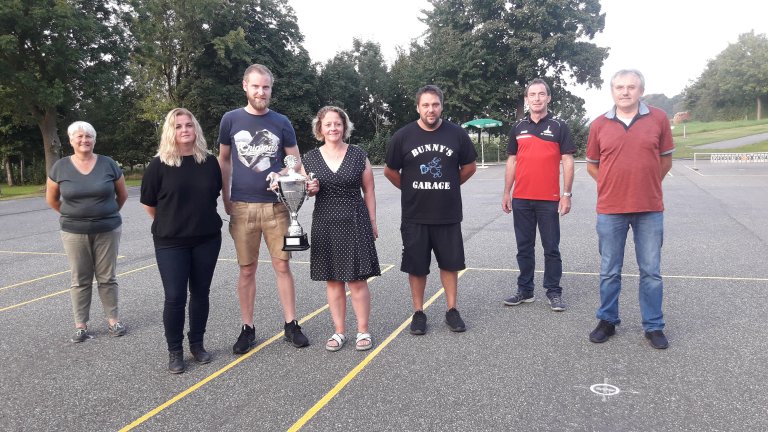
[[342, 241]]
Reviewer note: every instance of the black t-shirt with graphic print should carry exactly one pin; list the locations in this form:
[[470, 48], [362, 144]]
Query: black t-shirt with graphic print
[[429, 163]]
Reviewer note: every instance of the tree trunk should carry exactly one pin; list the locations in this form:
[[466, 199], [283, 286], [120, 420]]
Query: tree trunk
[[520, 109], [21, 169], [51, 141], [759, 108], [8, 174]]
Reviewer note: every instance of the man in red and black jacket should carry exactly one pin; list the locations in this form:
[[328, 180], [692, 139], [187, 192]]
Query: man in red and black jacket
[[537, 145]]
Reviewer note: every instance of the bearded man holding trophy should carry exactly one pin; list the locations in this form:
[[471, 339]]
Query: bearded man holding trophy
[[253, 142]]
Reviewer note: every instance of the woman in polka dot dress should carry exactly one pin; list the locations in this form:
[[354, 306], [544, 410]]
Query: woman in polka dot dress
[[343, 224]]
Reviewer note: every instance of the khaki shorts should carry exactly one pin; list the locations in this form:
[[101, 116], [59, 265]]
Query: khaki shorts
[[249, 221]]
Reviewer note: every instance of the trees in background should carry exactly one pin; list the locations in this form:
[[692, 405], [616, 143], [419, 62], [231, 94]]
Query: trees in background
[[671, 106], [123, 64], [484, 52], [54, 55], [734, 84]]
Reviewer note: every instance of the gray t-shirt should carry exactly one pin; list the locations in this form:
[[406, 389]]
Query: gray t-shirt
[[88, 201]]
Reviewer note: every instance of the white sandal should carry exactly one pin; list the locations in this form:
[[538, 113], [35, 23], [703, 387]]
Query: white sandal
[[363, 337], [340, 340]]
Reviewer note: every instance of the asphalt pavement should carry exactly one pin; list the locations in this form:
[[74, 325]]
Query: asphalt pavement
[[515, 368]]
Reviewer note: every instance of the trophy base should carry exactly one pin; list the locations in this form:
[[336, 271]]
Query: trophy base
[[295, 243]]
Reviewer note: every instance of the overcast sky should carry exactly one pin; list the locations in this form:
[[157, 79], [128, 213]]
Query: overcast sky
[[670, 41]]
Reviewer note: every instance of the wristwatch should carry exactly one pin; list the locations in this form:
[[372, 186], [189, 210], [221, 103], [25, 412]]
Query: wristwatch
[[567, 194]]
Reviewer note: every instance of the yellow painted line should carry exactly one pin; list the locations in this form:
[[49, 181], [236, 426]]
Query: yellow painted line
[[33, 300], [226, 368], [66, 290], [262, 261], [41, 277], [724, 278], [42, 253], [31, 253], [295, 262], [357, 369], [34, 280]]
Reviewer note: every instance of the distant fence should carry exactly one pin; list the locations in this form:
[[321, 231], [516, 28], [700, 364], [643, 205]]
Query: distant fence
[[722, 158]]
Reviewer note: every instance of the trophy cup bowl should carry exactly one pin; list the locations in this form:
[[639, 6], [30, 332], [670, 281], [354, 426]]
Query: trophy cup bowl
[[292, 191]]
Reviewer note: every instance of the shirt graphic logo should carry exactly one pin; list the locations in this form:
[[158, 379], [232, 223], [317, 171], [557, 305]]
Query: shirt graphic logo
[[547, 132], [257, 151], [432, 167]]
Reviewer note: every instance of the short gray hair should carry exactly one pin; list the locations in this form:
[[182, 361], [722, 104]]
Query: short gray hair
[[634, 72], [81, 126]]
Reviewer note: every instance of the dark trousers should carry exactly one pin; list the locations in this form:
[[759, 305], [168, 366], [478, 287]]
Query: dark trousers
[[527, 215], [181, 266]]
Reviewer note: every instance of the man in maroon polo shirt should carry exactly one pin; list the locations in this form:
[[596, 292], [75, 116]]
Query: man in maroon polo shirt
[[629, 152]]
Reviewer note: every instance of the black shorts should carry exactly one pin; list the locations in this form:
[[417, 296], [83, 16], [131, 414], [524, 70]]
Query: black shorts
[[419, 240]]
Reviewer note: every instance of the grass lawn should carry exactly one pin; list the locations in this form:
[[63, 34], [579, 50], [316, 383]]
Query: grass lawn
[[697, 134], [13, 192]]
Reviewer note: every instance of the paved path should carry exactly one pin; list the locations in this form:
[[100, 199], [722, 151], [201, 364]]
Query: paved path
[[520, 368], [736, 142]]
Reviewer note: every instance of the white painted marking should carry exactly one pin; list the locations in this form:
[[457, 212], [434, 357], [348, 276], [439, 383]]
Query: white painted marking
[[604, 389]]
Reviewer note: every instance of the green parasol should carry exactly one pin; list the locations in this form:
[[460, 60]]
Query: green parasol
[[481, 124]]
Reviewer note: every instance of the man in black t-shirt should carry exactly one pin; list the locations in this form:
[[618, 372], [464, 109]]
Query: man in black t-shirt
[[428, 160]]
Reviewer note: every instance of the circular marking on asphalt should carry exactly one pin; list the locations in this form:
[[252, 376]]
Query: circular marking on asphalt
[[604, 389]]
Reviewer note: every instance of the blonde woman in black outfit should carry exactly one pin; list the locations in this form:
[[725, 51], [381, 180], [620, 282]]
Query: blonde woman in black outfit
[[179, 191]]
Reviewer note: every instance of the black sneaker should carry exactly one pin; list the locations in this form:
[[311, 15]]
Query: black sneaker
[[419, 323], [519, 298], [602, 332], [657, 338], [294, 335], [556, 303], [245, 341], [454, 321]]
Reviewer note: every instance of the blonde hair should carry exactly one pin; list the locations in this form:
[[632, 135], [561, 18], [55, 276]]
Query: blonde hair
[[168, 152], [317, 122]]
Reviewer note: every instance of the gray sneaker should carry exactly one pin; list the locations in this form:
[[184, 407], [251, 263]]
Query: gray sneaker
[[556, 303], [518, 299], [118, 329], [80, 335]]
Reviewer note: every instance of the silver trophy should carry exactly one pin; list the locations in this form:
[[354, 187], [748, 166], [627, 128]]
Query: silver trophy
[[292, 191]]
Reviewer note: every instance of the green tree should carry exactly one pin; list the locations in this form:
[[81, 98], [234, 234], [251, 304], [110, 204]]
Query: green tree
[[483, 52], [359, 81], [733, 82], [53, 55]]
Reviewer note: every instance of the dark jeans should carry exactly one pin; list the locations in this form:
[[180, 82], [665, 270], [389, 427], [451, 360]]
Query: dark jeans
[[527, 215], [181, 266]]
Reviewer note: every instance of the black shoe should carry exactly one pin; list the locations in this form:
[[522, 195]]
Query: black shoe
[[454, 321], [199, 353], [245, 341], [294, 335], [602, 332], [419, 323], [176, 362], [657, 338]]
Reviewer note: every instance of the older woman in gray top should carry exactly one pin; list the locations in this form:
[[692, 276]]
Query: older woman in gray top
[[88, 190]]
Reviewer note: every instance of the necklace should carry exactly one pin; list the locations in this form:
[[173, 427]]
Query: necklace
[[338, 154]]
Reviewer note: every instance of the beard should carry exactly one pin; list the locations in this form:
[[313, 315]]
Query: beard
[[432, 124], [260, 104]]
